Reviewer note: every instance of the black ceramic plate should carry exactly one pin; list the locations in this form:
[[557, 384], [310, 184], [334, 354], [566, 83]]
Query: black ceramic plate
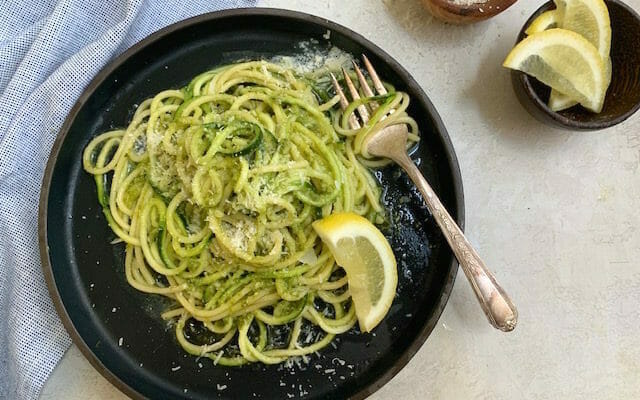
[[85, 272]]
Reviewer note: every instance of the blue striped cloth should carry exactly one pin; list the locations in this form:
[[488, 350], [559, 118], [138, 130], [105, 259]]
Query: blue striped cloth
[[49, 51]]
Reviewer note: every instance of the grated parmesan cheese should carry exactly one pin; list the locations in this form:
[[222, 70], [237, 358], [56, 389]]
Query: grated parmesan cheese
[[311, 58]]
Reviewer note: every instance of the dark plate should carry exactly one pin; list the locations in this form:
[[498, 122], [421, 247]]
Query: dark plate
[[85, 272]]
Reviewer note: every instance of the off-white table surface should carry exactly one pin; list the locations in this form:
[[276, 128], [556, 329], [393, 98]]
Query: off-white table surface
[[556, 215]]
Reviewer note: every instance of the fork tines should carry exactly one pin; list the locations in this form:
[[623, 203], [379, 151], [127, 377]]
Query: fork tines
[[344, 103], [363, 112]]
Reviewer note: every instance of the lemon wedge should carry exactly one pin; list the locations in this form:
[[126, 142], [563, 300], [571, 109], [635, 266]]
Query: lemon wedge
[[547, 20], [366, 256], [565, 61], [589, 18]]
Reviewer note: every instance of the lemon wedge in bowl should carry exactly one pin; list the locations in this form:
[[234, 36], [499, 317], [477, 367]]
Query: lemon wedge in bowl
[[366, 256], [589, 18], [547, 20], [565, 61]]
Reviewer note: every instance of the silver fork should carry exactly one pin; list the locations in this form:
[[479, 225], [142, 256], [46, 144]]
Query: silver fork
[[391, 142]]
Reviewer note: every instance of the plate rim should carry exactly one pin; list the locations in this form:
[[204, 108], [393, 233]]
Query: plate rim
[[46, 264]]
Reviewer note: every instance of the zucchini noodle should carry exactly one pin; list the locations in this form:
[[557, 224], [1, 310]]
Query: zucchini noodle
[[213, 189]]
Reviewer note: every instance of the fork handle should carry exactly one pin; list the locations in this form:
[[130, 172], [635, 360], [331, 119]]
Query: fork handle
[[495, 303]]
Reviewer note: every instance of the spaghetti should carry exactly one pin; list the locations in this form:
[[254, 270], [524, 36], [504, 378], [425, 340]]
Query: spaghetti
[[213, 189]]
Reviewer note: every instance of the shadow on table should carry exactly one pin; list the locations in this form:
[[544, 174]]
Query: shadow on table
[[493, 95]]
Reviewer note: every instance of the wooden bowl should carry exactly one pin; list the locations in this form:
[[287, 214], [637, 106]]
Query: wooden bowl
[[623, 96], [456, 13]]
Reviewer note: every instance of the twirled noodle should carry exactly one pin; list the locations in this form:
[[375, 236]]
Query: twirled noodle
[[213, 189]]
